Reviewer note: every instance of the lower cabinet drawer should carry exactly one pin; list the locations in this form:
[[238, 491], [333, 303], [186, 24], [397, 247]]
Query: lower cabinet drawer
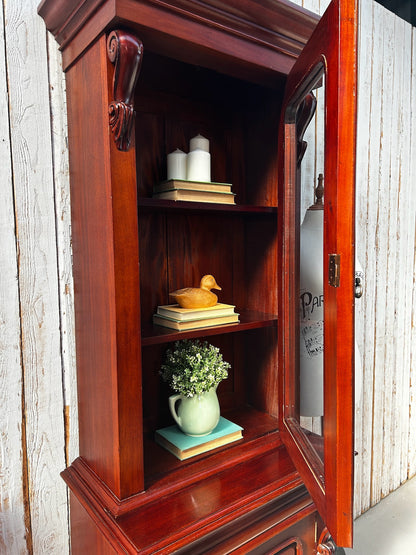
[[285, 526], [291, 549], [297, 539]]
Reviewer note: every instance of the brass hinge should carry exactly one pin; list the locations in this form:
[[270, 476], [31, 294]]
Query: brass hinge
[[334, 270]]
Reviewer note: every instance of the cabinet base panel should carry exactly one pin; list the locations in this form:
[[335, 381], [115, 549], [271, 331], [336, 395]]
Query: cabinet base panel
[[253, 507]]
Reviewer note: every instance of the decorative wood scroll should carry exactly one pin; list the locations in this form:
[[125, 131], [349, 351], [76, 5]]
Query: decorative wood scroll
[[125, 51], [305, 114], [326, 545]]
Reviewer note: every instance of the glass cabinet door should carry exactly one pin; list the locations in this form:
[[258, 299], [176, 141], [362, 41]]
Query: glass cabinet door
[[316, 315]]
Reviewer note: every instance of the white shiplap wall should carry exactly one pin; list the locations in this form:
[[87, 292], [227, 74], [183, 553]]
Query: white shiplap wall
[[386, 204], [12, 516], [38, 418], [37, 353]]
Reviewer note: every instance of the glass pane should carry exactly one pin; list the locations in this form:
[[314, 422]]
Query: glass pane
[[310, 266], [304, 171]]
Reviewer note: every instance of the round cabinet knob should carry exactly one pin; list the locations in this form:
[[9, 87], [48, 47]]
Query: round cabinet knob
[[358, 287]]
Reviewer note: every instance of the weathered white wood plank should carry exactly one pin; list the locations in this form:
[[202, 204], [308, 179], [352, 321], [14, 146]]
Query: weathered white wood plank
[[308, 169], [404, 255], [39, 303], [389, 190], [380, 378], [311, 5], [365, 42], [63, 230], [392, 417], [409, 430], [369, 183], [412, 230], [323, 6], [12, 502]]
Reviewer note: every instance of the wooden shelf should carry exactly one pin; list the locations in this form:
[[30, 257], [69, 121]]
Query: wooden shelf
[[224, 72], [162, 469], [153, 335], [146, 203]]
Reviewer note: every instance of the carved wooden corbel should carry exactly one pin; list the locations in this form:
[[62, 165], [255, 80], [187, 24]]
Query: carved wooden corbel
[[306, 112], [125, 51], [326, 545]]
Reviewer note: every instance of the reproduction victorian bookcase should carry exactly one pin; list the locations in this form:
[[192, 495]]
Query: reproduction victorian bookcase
[[143, 77]]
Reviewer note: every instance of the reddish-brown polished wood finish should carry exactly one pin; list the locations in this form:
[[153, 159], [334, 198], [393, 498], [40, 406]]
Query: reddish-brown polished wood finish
[[332, 48], [248, 503], [107, 307], [125, 51], [283, 19], [88, 538], [253, 34], [218, 69], [326, 544]]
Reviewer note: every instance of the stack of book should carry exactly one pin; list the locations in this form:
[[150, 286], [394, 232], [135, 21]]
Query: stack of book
[[177, 318], [176, 189], [184, 446]]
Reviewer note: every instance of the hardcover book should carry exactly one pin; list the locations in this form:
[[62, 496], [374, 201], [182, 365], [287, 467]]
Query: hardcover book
[[175, 312], [173, 184], [197, 196], [184, 446], [194, 324]]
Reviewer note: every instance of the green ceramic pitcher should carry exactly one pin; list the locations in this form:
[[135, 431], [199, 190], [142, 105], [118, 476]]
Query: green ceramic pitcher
[[198, 415]]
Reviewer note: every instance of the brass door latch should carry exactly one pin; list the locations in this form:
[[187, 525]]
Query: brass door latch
[[334, 270]]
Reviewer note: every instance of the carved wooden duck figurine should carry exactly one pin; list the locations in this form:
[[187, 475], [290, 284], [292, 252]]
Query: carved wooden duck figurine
[[197, 297]]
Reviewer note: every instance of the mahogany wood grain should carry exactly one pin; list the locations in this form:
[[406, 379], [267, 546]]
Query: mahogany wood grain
[[62, 16], [218, 69], [196, 511], [163, 471], [263, 533], [153, 335], [147, 204], [153, 265], [65, 20], [275, 42], [128, 452], [125, 51], [85, 536], [103, 196], [339, 437], [166, 474], [289, 536], [333, 45]]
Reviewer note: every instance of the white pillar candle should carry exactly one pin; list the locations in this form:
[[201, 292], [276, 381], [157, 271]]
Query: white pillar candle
[[198, 165], [199, 142], [177, 165]]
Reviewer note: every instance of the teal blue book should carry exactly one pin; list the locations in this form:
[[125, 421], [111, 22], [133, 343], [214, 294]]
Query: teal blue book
[[184, 446]]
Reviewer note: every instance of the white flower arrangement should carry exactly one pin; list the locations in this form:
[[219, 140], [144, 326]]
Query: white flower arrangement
[[193, 368]]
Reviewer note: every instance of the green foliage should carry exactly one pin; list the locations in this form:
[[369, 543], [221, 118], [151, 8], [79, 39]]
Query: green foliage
[[192, 368]]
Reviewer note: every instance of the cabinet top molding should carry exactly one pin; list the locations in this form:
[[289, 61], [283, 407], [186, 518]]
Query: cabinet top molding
[[274, 26]]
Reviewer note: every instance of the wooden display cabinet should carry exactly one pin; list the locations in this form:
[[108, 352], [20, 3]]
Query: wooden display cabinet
[[239, 73]]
